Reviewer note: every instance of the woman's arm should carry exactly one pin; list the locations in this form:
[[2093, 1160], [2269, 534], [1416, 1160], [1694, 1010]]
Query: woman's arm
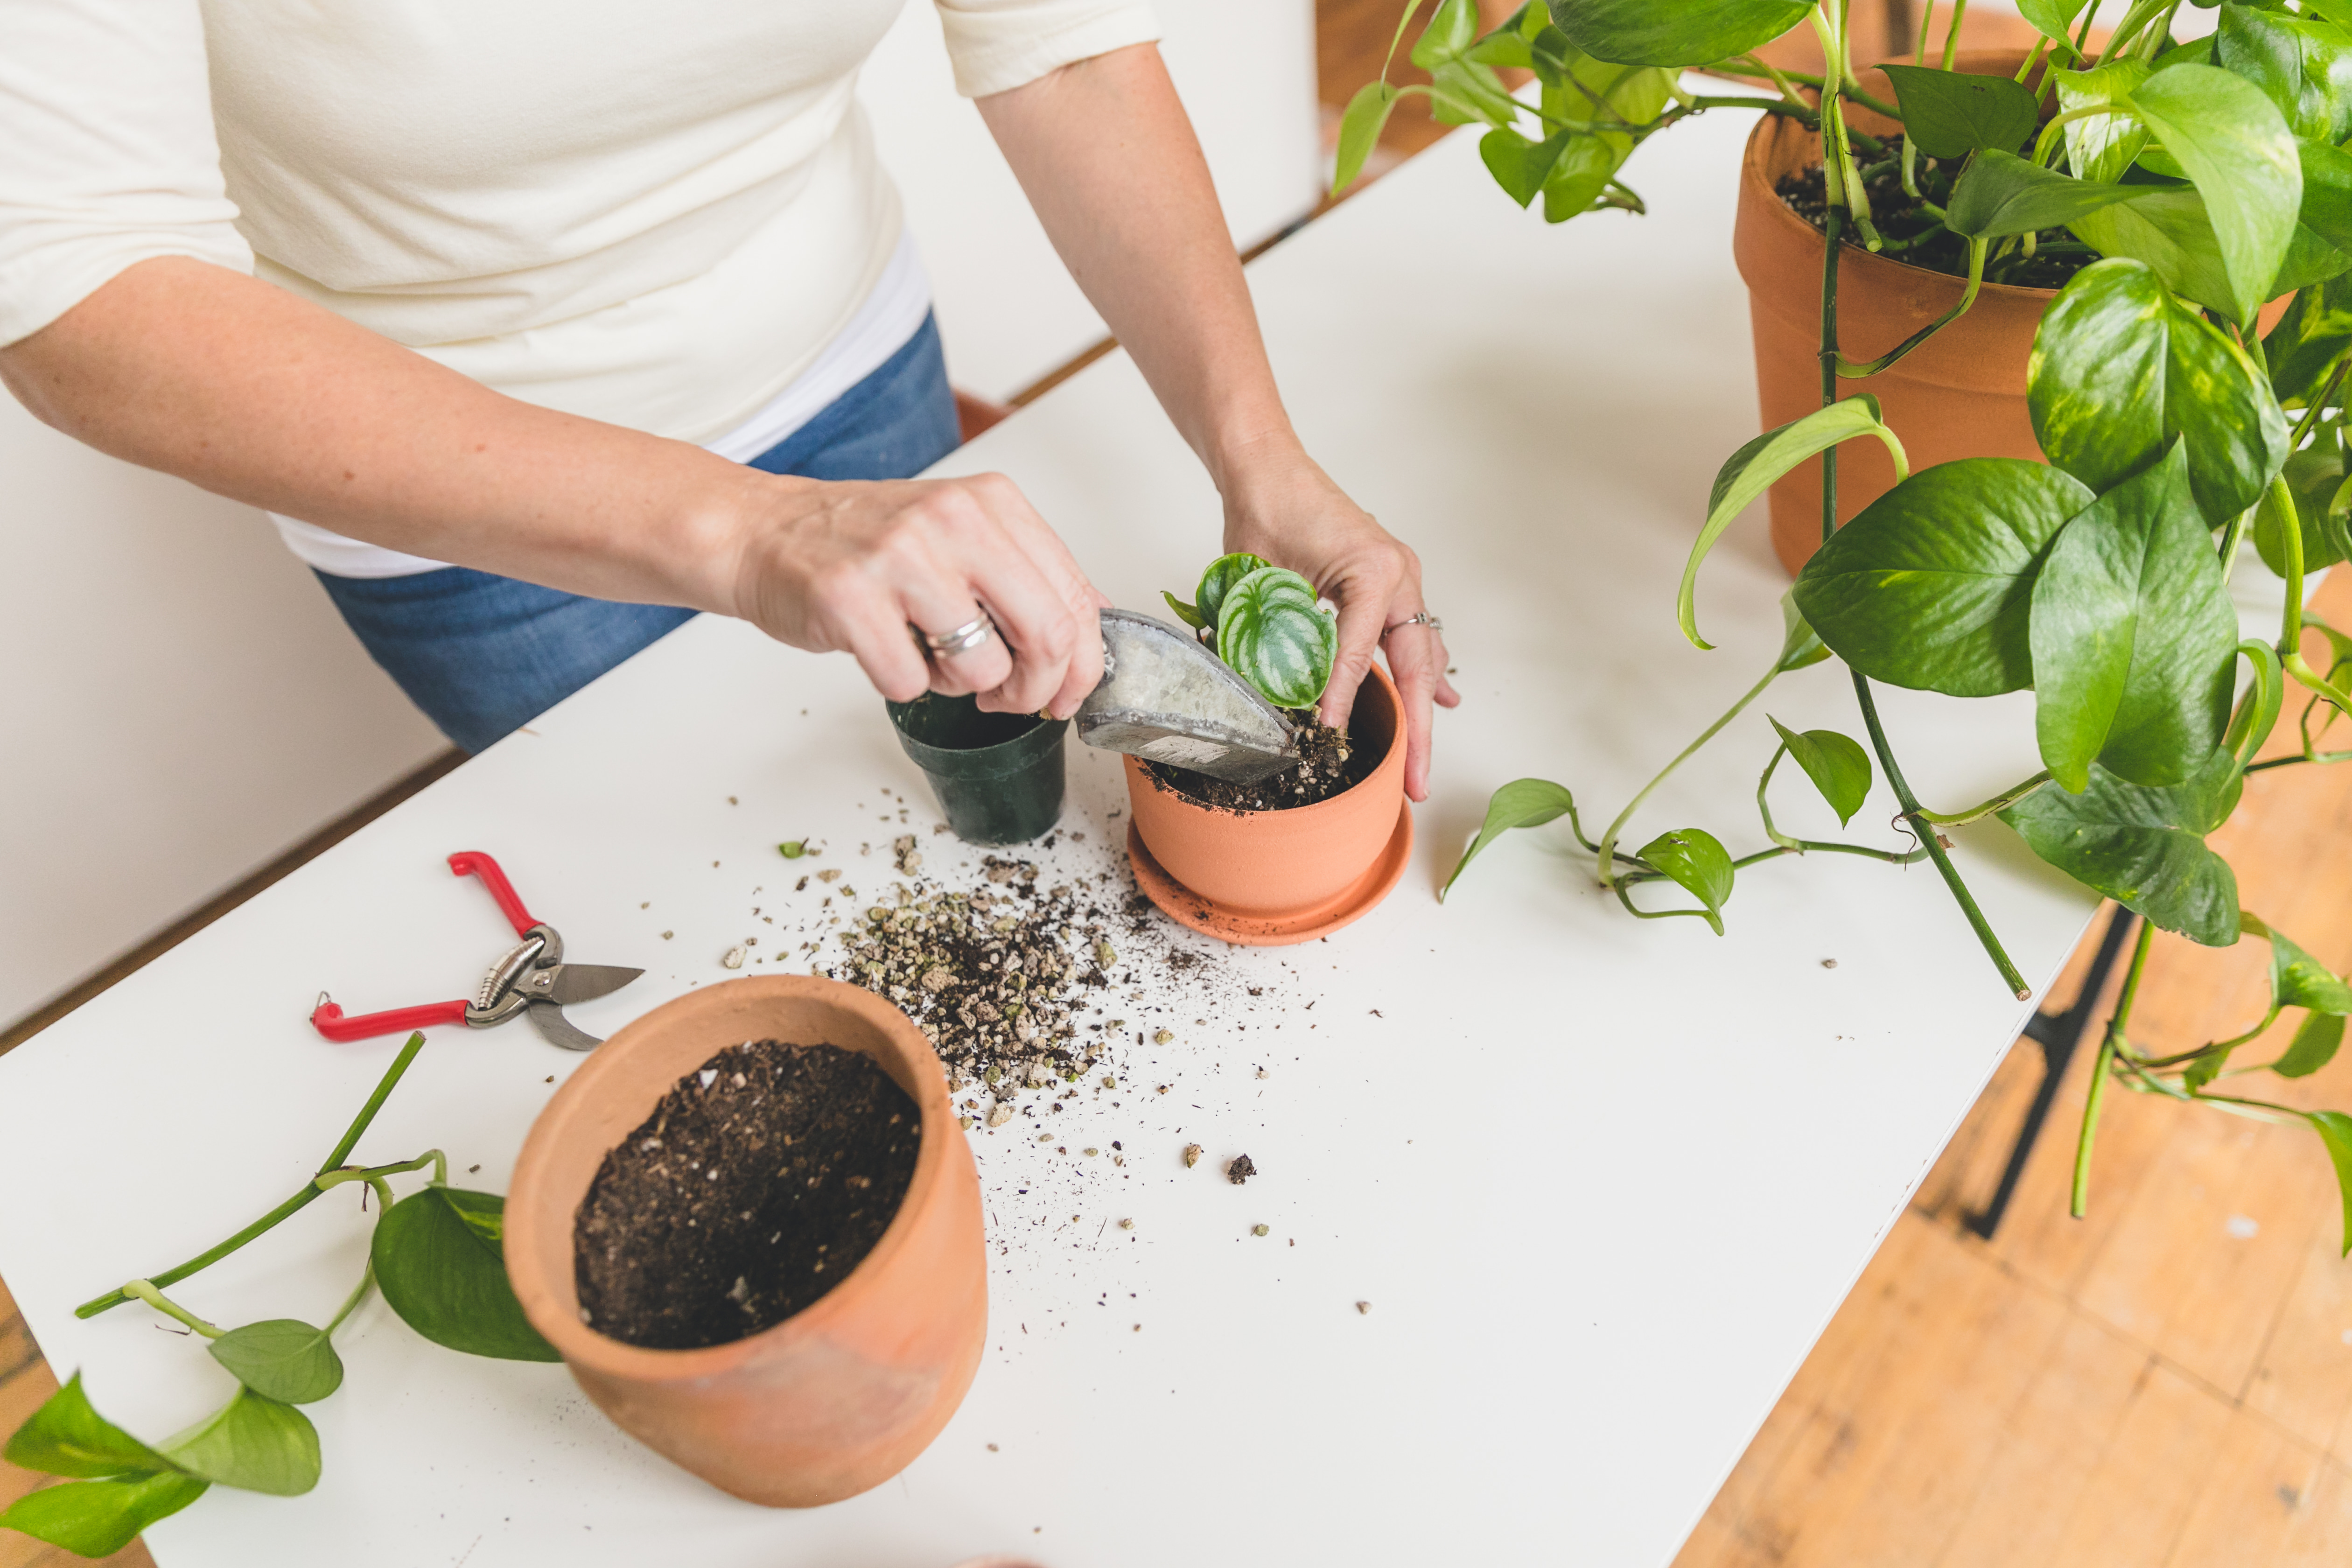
[[1109, 162], [250, 391]]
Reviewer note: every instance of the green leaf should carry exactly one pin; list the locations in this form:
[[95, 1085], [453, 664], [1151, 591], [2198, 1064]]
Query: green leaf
[[1522, 802], [1270, 631], [438, 1262], [1452, 29], [1675, 32], [1950, 114], [2335, 1130], [2052, 18], [2302, 64], [1837, 764], [1749, 472], [1222, 573], [2322, 247], [793, 850], [1184, 611], [67, 1437], [1360, 130], [99, 1518], [2252, 724], [2314, 478], [2313, 1046], [2143, 848], [1799, 645], [1467, 92], [1586, 166], [2101, 146], [2121, 371], [254, 1443], [283, 1358], [1691, 857], [2315, 330], [2134, 637], [2166, 228], [1930, 586], [1520, 166], [2000, 193], [1633, 94], [2237, 149], [2297, 979]]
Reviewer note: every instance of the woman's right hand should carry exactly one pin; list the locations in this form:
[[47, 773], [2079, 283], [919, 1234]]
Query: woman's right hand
[[849, 565]]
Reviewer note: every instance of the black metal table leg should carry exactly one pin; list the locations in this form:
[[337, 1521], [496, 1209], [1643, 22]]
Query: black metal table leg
[[2057, 1033]]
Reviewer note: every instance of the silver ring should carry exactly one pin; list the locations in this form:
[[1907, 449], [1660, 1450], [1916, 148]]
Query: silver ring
[[963, 639], [1423, 618]]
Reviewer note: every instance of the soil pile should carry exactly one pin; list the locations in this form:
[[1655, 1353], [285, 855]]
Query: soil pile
[[1919, 238], [755, 1187], [1327, 765]]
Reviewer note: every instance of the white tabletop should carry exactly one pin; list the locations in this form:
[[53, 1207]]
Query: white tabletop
[[1602, 1181]]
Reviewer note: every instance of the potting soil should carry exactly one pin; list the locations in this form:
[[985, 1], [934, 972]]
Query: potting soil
[[1918, 238], [757, 1185], [1327, 765]]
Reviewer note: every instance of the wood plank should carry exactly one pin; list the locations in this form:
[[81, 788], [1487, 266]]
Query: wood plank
[[2251, 1491], [25, 1382], [2303, 1379], [2137, 1500]]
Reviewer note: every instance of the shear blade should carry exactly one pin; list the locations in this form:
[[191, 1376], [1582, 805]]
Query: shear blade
[[546, 1017], [586, 982]]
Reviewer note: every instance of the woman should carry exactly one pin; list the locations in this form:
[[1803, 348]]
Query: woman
[[540, 327]]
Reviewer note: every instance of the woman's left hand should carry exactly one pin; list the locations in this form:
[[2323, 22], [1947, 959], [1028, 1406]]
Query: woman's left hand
[[1285, 507]]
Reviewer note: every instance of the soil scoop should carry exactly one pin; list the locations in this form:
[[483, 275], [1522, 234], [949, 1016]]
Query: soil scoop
[[1167, 699]]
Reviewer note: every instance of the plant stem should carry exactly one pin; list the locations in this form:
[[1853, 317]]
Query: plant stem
[[2079, 1203], [311, 1190], [1607, 851], [351, 1302], [145, 1290], [1854, 370], [373, 1175], [2290, 532], [1952, 33], [1983, 809]]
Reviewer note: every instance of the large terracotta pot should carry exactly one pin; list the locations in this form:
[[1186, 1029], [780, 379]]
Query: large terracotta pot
[[1278, 867], [833, 1400], [1960, 394]]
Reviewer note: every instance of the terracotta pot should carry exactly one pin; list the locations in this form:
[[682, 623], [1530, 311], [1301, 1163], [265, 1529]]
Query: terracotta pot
[[833, 1400], [1960, 394], [1279, 866]]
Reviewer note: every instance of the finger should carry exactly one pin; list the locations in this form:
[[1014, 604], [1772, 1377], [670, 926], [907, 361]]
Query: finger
[[1362, 615], [1037, 623], [1053, 560], [872, 625], [1416, 659], [937, 605]]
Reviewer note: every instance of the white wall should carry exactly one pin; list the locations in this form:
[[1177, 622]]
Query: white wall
[[1007, 311], [180, 702]]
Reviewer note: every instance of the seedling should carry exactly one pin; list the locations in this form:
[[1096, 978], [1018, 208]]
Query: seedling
[[1264, 621], [435, 1254]]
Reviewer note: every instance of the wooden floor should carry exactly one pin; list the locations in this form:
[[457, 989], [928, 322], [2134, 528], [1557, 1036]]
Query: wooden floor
[[2165, 1385]]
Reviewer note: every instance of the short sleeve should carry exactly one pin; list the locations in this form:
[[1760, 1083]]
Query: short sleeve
[[108, 155], [998, 45]]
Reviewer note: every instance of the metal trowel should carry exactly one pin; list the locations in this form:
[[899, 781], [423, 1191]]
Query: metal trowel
[[1167, 699]]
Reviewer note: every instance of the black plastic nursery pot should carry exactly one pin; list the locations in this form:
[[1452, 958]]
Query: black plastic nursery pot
[[998, 776]]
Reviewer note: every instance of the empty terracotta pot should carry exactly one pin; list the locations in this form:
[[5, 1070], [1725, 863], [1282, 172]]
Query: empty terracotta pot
[[1960, 394], [841, 1397], [1282, 865]]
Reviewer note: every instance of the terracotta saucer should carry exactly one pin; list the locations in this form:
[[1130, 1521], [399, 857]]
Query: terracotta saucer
[[1351, 904]]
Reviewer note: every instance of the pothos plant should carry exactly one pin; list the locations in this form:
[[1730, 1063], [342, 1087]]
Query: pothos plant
[[437, 1257], [1266, 623], [2192, 183]]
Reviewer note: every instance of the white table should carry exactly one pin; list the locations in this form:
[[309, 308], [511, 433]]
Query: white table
[[1601, 1181]]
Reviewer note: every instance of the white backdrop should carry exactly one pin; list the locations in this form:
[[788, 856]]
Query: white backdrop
[[180, 702]]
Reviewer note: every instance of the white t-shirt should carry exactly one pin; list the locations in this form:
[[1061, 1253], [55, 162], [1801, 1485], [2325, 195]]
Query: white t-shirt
[[658, 215]]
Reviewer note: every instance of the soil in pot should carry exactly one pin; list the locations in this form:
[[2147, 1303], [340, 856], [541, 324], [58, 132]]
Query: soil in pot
[[760, 1181], [1327, 765], [1918, 238]]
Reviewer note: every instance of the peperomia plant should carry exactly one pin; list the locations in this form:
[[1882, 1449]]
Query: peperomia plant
[[2175, 188], [1264, 621], [434, 1254]]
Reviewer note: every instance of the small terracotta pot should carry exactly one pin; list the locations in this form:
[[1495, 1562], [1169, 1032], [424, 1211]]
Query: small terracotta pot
[[832, 1401], [1281, 865], [1960, 394]]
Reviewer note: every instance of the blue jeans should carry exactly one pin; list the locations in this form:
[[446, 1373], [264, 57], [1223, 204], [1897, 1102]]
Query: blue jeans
[[483, 653]]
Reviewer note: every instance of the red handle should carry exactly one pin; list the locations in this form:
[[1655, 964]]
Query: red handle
[[475, 863], [328, 1020]]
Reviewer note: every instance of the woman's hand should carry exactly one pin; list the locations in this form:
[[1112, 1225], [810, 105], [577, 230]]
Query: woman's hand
[[1285, 507], [850, 565]]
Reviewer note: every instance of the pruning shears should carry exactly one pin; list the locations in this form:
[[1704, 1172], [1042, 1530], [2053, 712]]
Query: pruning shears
[[532, 978]]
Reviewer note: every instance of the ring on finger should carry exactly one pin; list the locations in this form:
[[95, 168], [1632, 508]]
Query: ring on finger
[[1418, 619], [962, 640]]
